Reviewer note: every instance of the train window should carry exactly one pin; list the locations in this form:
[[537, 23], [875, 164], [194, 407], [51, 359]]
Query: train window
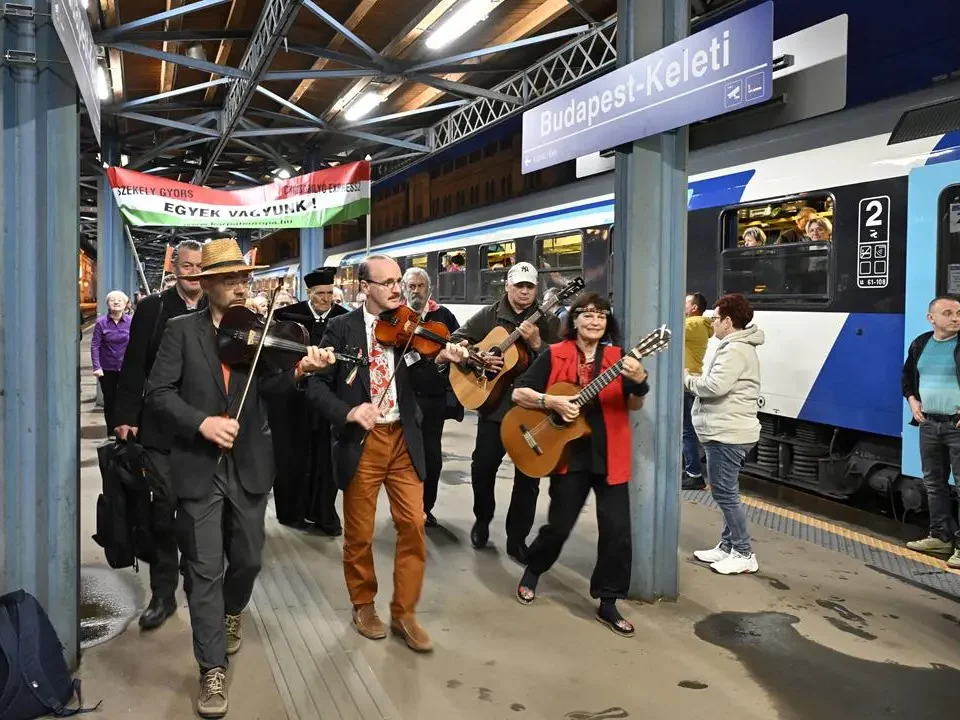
[[560, 259], [419, 261], [948, 242], [347, 282], [495, 260], [779, 222], [452, 278]]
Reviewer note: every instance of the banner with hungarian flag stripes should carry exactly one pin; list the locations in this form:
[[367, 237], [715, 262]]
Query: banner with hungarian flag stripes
[[319, 198]]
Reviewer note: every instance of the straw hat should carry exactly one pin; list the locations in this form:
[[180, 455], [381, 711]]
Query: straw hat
[[223, 256]]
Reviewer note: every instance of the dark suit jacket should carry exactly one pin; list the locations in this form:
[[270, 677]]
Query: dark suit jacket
[[146, 332], [186, 387], [329, 393], [300, 312]]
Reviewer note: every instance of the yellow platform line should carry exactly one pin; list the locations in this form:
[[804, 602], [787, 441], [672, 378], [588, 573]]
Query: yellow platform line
[[867, 540]]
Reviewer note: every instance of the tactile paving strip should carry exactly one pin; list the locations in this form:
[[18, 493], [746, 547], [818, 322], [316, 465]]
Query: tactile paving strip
[[915, 568]]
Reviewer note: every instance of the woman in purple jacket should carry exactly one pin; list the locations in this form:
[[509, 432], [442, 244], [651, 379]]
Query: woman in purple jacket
[[110, 337]]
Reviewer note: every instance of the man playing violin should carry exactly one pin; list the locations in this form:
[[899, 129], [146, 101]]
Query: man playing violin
[[222, 468], [431, 385], [511, 311], [377, 441]]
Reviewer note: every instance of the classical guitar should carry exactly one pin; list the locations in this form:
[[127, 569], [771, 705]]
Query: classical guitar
[[536, 440], [481, 387]]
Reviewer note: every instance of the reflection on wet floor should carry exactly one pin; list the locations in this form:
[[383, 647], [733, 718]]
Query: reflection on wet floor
[[809, 680], [109, 599]]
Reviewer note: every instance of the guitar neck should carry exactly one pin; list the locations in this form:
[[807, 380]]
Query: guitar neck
[[515, 335], [596, 386]]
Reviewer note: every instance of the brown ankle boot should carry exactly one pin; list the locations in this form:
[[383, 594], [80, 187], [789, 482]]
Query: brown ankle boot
[[367, 623], [412, 632]]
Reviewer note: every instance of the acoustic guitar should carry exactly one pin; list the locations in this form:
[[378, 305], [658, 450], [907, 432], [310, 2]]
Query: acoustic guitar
[[480, 387], [537, 440]]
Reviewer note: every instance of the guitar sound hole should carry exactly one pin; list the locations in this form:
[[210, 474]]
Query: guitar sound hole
[[556, 421]]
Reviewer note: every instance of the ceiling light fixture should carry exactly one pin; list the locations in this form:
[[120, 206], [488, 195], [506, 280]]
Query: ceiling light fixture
[[461, 20], [103, 89], [362, 105]]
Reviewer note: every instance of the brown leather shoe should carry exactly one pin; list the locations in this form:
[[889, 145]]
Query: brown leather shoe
[[413, 633], [367, 623]]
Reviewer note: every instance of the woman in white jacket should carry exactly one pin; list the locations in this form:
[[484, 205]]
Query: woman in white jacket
[[725, 418]]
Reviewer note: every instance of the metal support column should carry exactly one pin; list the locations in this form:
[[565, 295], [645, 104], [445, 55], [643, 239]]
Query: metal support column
[[116, 268], [650, 239], [311, 239], [39, 332]]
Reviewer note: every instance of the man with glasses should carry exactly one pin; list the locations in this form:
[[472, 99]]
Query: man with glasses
[[377, 441], [184, 296], [511, 311], [222, 468]]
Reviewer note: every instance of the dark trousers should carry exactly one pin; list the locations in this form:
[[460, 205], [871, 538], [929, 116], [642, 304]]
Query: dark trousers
[[227, 522], [290, 436], [108, 385], [939, 453], [568, 493], [434, 415], [487, 457], [321, 484], [164, 572], [691, 443]]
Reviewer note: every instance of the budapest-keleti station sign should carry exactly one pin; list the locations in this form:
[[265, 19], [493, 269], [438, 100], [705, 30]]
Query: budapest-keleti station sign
[[724, 68]]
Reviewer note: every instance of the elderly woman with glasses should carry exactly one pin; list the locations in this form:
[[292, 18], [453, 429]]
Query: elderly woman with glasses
[[107, 348], [600, 462]]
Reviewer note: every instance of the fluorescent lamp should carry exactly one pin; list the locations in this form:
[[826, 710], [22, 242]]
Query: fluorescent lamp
[[469, 14], [124, 159], [283, 174], [103, 89], [362, 105]]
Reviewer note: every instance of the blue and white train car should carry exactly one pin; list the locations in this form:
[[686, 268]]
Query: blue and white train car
[[833, 311]]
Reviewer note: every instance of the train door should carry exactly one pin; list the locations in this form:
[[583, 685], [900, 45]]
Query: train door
[[933, 265]]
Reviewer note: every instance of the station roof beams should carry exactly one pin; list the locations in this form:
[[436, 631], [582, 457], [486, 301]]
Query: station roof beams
[[226, 92]]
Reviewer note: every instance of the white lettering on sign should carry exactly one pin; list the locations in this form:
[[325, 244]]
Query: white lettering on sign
[[955, 217], [873, 243]]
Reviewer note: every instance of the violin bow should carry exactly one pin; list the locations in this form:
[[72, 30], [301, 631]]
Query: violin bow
[[256, 356], [396, 365]]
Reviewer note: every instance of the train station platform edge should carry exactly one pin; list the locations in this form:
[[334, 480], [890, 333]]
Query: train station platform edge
[[816, 633]]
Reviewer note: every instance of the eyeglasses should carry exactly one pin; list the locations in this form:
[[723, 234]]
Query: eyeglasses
[[389, 284]]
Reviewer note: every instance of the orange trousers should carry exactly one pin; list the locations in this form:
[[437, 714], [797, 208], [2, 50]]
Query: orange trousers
[[385, 461]]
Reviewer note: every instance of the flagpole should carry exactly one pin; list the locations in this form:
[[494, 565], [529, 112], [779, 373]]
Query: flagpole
[[136, 256], [368, 158]]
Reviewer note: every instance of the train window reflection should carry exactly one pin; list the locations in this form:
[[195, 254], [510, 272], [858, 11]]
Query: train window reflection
[[495, 260], [560, 259], [799, 272], [452, 278], [948, 242]]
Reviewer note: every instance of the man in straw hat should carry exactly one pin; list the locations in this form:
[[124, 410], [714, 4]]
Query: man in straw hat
[[222, 468]]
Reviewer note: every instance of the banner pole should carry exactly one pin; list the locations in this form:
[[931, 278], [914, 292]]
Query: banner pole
[[368, 158], [136, 256]]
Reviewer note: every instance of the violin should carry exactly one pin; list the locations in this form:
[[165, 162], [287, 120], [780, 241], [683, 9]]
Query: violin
[[286, 343], [405, 328]]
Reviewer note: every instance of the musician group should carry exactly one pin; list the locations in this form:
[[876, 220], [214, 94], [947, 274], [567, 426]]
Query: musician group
[[362, 408]]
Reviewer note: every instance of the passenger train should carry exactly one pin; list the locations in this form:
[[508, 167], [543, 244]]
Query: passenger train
[[837, 313]]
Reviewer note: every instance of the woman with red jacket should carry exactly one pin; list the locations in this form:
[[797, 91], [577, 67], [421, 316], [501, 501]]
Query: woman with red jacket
[[600, 461]]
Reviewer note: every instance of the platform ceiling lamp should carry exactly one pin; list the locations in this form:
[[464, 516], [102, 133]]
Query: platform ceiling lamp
[[195, 51], [455, 24]]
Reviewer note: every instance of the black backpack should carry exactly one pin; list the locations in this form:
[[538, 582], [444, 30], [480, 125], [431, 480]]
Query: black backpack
[[34, 680], [124, 525]]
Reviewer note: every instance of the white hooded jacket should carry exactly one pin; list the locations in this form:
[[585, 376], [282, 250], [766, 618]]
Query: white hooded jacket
[[726, 406]]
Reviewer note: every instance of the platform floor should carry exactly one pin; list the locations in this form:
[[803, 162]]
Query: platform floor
[[818, 633]]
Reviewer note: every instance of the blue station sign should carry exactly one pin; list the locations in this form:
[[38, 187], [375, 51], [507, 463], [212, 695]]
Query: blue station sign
[[724, 68]]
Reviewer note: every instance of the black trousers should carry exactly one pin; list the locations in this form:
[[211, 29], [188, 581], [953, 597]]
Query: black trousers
[[487, 457], [568, 493], [108, 385], [164, 573], [434, 415], [290, 435], [321, 484]]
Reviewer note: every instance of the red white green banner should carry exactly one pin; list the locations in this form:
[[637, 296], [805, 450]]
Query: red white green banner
[[319, 198]]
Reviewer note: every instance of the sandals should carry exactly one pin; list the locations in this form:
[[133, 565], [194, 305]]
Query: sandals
[[527, 589], [615, 621]]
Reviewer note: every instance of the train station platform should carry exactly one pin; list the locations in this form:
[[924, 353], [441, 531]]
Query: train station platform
[[837, 624]]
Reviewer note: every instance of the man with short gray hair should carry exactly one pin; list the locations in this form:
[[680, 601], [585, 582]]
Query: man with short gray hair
[[431, 383]]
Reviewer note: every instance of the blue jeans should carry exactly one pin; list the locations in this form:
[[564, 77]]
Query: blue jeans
[[691, 443], [939, 453], [723, 470]]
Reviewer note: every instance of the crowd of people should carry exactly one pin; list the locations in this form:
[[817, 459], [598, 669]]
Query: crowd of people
[[329, 427]]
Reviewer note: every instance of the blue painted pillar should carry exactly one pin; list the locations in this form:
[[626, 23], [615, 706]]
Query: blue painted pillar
[[311, 239], [116, 267], [39, 333], [650, 249]]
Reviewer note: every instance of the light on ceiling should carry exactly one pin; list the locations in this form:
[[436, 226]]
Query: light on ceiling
[[283, 174], [468, 15], [362, 105], [124, 159], [196, 52], [103, 89]]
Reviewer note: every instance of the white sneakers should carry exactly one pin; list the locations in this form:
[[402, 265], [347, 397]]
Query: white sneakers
[[728, 563]]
